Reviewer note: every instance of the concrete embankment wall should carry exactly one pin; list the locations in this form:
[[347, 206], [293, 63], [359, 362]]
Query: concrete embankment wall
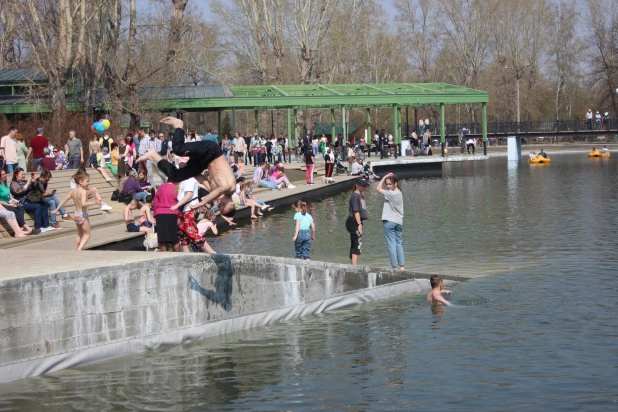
[[55, 321]]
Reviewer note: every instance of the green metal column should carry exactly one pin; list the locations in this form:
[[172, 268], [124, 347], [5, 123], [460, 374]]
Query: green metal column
[[219, 135], [368, 130], [344, 134], [332, 125], [399, 131], [289, 112], [484, 115], [394, 124], [257, 121], [442, 131], [399, 125], [295, 126]]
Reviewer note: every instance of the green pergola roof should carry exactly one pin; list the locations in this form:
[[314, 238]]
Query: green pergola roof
[[330, 96], [318, 96]]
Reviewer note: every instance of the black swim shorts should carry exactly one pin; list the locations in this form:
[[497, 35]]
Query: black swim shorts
[[356, 241]]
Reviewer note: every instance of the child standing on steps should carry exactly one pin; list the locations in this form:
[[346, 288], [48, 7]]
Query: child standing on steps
[[304, 232], [80, 199]]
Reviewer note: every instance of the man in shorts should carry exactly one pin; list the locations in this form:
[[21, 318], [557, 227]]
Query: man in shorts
[[202, 155]]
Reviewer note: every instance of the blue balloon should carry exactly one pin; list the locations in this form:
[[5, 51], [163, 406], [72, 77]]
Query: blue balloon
[[99, 127]]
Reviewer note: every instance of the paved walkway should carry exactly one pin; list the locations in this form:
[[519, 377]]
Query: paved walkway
[[17, 266]]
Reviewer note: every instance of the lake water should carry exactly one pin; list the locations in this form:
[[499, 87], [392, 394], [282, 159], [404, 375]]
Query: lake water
[[539, 332]]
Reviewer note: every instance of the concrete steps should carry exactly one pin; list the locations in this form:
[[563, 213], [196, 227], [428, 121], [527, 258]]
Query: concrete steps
[[61, 181]]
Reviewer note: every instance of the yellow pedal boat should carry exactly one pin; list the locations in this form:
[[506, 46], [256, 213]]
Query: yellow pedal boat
[[598, 154], [539, 160]]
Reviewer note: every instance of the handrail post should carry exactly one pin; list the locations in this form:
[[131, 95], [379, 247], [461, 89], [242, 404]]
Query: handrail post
[[442, 131], [484, 120]]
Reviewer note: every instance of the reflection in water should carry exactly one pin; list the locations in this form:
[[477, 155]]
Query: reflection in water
[[531, 338]]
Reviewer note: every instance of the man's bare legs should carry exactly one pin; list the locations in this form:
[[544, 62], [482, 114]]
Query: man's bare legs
[[152, 154]]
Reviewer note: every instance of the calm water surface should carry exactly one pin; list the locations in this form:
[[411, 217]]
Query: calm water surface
[[539, 332]]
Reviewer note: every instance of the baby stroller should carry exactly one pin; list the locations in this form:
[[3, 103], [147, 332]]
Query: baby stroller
[[340, 168]]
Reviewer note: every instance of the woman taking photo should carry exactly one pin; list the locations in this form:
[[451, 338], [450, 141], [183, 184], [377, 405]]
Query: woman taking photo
[[13, 207], [30, 197], [357, 213], [392, 218]]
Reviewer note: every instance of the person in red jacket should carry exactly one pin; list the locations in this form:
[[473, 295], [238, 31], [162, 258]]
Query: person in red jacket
[[37, 144]]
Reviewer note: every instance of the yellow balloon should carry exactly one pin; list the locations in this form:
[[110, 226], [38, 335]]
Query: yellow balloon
[[445, 150], [106, 123]]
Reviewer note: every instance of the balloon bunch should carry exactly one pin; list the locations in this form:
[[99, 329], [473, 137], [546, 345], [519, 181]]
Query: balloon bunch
[[100, 126]]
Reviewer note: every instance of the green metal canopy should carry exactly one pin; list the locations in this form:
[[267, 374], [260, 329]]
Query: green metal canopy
[[219, 98], [317, 96]]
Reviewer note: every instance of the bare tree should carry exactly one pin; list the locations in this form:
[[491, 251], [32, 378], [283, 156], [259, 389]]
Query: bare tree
[[55, 34], [467, 27], [273, 25], [309, 24], [175, 34], [92, 42], [243, 19], [564, 48], [519, 40], [342, 47], [9, 35], [417, 29], [602, 23]]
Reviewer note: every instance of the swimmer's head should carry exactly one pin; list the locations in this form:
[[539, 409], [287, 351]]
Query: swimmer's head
[[226, 206], [436, 281]]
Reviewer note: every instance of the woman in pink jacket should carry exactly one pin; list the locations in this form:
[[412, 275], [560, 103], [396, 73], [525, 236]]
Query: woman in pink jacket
[[167, 220]]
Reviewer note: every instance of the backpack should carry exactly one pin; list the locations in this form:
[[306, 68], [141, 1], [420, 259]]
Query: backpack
[[105, 142], [164, 146], [125, 197], [36, 193]]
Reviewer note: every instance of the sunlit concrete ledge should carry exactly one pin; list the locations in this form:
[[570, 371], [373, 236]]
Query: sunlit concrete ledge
[[427, 159], [84, 309]]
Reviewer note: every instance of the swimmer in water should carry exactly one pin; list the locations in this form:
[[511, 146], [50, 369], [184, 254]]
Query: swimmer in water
[[435, 296]]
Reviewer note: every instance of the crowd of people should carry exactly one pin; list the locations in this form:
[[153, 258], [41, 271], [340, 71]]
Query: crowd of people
[[200, 179], [33, 195]]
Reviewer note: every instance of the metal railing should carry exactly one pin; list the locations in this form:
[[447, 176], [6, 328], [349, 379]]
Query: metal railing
[[543, 126]]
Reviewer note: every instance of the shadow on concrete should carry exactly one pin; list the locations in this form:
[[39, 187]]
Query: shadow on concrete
[[222, 295]]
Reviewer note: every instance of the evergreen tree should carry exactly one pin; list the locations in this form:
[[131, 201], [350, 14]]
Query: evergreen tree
[[226, 127]]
